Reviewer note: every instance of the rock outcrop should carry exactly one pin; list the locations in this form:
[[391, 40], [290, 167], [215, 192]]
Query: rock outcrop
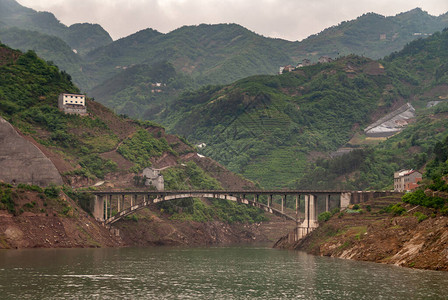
[[23, 162]]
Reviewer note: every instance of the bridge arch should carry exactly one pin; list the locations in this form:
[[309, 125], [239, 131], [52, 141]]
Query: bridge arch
[[162, 198]]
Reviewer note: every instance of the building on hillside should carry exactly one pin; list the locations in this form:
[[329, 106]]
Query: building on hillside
[[285, 69], [406, 180], [325, 59], [305, 62], [154, 178], [72, 104]]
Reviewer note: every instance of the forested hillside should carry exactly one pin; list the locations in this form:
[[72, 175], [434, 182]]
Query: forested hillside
[[82, 37], [373, 35], [105, 147], [278, 129], [423, 64], [208, 54], [143, 91]]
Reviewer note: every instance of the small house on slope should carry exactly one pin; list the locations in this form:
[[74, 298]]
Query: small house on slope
[[406, 180], [72, 104], [154, 178]]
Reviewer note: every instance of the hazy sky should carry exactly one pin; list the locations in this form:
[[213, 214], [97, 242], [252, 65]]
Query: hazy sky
[[288, 19]]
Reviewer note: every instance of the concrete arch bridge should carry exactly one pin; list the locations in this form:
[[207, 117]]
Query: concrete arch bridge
[[129, 202]]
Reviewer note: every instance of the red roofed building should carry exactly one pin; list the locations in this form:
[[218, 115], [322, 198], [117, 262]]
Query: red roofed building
[[406, 180]]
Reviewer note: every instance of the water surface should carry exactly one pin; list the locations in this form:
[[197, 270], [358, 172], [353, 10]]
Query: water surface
[[206, 273]]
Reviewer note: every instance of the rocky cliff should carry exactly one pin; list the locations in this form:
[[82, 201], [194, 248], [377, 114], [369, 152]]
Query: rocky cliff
[[23, 162]]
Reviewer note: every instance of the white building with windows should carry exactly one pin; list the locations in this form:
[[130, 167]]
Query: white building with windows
[[72, 104]]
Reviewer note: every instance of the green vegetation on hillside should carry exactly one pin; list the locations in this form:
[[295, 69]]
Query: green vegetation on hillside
[[190, 176], [142, 91], [201, 55], [29, 88], [265, 125], [436, 180], [141, 147]]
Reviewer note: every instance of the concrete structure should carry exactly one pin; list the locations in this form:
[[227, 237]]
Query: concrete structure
[[72, 104], [391, 123], [406, 180], [128, 202], [154, 178], [23, 162]]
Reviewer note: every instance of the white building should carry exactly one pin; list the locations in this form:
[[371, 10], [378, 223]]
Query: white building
[[72, 104], [154, 178]]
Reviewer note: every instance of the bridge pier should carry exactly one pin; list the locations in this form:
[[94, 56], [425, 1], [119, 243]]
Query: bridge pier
[[345, 200], [327, 203], [310, 221], [98, 208]]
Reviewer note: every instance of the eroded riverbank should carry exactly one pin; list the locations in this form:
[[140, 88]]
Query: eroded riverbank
[[378, 236]]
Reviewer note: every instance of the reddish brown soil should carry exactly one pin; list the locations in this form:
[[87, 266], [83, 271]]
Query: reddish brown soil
[[121, 127], [228, 180], [380, 237], [8, 56], [44, 226], [153, 228]]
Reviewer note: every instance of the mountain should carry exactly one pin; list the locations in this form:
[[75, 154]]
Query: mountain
[[371, 35], [82, 37], [142, 91], [210, 53], [219, 54], [51, 47], [274, 129], [101, 146]]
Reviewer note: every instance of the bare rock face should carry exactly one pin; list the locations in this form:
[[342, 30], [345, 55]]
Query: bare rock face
[[22, 162]]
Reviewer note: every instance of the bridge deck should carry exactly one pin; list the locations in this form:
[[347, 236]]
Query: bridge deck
[[220, 192]]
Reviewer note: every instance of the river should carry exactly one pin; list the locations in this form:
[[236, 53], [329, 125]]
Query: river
[[206, 273]]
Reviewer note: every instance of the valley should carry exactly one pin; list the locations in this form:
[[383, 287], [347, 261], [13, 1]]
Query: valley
[[204, 108]]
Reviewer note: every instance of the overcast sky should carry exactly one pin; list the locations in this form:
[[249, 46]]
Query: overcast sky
[[287, 19]]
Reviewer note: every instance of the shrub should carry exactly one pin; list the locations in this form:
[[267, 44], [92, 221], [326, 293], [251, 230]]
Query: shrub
[[7, 200], [324, 217], [420, 216], [396, 209], [52, 192], [444, 211], [420, 198]]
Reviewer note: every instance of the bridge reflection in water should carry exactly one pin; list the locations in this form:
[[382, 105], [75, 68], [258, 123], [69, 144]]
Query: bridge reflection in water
[[128, 202]]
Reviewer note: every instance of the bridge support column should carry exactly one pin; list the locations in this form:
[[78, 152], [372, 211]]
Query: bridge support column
[[110, 207], [283, 203], [310, 222], [105, 207], [345, 200], [98, 208], [297, 208], [120, 203], [327, 203]]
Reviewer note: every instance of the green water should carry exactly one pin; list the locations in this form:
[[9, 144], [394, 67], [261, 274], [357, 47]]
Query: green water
[[206, 273]]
